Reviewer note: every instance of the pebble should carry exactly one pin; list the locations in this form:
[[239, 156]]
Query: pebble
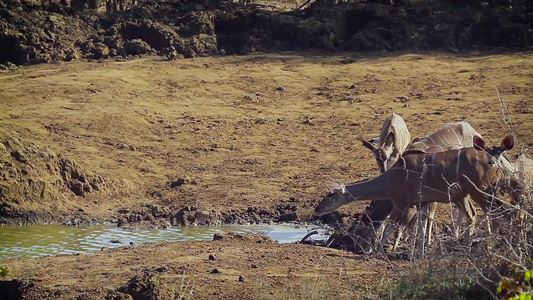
[[162, 269]]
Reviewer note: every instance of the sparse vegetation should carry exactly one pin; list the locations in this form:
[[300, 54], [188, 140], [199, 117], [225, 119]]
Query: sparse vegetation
[[517, 286], [425, 283], [3, 271]]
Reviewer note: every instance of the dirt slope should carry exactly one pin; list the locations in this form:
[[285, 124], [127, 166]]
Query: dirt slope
[[228, 139]]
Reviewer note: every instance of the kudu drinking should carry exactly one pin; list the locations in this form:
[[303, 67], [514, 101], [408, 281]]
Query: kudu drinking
[[420, 177], [394, 132]]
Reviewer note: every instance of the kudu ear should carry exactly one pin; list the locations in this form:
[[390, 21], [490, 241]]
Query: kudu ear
[[507, 143], [367, 144], [335, 185], [389, 140], [478, 142]]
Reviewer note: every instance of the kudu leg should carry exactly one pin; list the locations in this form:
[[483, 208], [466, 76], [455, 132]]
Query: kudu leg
[[412, 220], [424, 218], [397, 220], [399, 234], [431, 220], [462, 205], [457, 225], [470, 212], [465, 208], [487, 200], [404, 231]]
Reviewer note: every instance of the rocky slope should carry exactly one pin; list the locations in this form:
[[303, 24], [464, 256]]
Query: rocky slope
[[38, 32]]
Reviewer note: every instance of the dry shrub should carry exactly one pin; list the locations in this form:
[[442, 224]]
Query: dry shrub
[[495, 265]]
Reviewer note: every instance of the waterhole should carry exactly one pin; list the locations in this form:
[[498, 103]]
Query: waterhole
[[43, 240]]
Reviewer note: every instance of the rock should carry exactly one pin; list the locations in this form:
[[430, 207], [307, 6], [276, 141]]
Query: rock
[[162, 269], [178, 182], [136, 46], [241, 278], [79, 188], [100, 51], [216, 271], [170, 53], [245, 50], [72, 54], [212, 257], [288, 217], [126, 147], [122, 222], [155, 209], [147, 286], [118, 296], [19, 156], [8, 66], [189, 53], [181, 181]]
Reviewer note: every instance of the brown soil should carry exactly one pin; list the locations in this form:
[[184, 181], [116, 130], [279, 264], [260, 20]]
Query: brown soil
[[148, 142], [229, 139], [236, 268]]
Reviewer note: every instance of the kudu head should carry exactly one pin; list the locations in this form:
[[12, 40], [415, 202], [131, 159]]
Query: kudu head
[[386, 154], [495, 153], [336, 198]]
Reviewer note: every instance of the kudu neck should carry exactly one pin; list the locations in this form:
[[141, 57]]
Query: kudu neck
[[372, 189]]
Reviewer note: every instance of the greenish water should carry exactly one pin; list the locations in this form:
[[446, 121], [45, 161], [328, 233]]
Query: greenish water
[[42, 240]]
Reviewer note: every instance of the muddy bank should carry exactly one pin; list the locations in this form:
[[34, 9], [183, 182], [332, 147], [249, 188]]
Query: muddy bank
[[41, 32], [232, 266], [39, 186]]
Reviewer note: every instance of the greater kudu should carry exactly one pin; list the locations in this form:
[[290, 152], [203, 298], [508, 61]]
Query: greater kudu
[[420, 177], [448, 137]]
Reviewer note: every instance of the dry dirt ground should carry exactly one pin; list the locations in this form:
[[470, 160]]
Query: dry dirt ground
[[253, 268], [149, 142]]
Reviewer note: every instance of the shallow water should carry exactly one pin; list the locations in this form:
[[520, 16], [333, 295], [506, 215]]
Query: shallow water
[[42, 240]]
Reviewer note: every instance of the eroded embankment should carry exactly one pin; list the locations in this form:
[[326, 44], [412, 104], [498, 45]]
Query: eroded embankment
[[39, 186], [40, 32]]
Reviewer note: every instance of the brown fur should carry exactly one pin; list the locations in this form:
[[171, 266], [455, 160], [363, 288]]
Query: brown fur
[[451, 136], [419, 178]]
